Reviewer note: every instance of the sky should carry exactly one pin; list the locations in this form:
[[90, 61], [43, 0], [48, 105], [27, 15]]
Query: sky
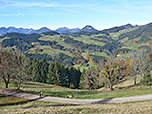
[[53, 14]]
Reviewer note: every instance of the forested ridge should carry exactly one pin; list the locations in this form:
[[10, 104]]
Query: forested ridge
[[15, 67], [87, 60]]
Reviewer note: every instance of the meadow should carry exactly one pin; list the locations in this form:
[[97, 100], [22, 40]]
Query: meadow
[[23, 106], [11, 105], [123, 89]]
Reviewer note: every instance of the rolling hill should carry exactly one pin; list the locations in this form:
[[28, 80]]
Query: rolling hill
[[88, 28], [82, 49]]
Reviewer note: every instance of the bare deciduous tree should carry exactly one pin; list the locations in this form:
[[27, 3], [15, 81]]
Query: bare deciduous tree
[[7, 65], [13, 66], [21, 69], [113, 71], [140, 64]]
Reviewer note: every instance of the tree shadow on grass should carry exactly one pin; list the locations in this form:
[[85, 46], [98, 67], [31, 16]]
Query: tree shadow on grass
[[2, 96], [20, 102], [103, 101], [31, 100], [73, 93], [130, 86], [38, 85]]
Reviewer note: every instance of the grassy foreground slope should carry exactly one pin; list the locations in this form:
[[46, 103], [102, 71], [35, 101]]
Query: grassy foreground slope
[[23, 106], [124, 89], [11, 105]]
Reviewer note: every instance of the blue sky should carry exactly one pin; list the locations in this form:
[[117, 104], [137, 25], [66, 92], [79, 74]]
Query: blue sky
[[74, 13]]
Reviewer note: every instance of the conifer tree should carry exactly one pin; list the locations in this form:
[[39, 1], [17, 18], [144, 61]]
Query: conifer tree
[[57, 73], [36, 70], [43, 70], [53, 74], [63, 76], [50, 75], [74, 77], [82, 79]]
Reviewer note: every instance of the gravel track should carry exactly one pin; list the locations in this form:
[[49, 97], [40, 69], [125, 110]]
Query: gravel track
[[77, 101]]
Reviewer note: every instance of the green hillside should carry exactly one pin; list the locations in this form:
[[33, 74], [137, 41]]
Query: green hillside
[[81, 49]]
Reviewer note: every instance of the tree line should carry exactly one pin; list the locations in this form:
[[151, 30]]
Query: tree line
[[15, 66], [55, 73], [113, 71]]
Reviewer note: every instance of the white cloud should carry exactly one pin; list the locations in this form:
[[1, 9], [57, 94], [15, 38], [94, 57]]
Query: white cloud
[[20, 14], [12, 14], [46, 4], [5, 1], [22, 4], [70, 10]]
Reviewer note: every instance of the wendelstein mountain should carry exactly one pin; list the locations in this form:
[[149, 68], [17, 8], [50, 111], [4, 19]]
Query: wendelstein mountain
[[78, 47]]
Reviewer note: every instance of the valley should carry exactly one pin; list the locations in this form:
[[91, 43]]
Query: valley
[[81, 49]]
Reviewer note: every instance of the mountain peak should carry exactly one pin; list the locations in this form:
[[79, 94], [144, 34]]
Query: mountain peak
[[62, 29], [89, 28], [127, 25], [43, 29], [67, 30]]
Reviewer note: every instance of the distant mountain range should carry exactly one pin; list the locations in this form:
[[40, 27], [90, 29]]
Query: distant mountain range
[[63, 30], [66, 30], [84, 48], [4, 30]]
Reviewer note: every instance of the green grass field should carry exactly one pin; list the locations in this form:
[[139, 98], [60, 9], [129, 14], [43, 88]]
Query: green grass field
[[87, 40], [4, 39], [132, 47], [52, 51], [101, 54], [11, 105], [49, 37], [14, 105], [123, 89], [116, 35]]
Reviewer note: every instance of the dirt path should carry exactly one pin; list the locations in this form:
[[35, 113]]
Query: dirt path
[[77, 101]]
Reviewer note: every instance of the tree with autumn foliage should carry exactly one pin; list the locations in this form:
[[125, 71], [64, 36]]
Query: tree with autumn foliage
[[112, 71]]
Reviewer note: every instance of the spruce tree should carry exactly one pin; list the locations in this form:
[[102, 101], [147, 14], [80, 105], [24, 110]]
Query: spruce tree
[[78, 76], [53, 75], [63, 76], [43, 70], [37, 77], [35, 70], [50, 75], [57, 73], [81, 84], [74, 77]]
